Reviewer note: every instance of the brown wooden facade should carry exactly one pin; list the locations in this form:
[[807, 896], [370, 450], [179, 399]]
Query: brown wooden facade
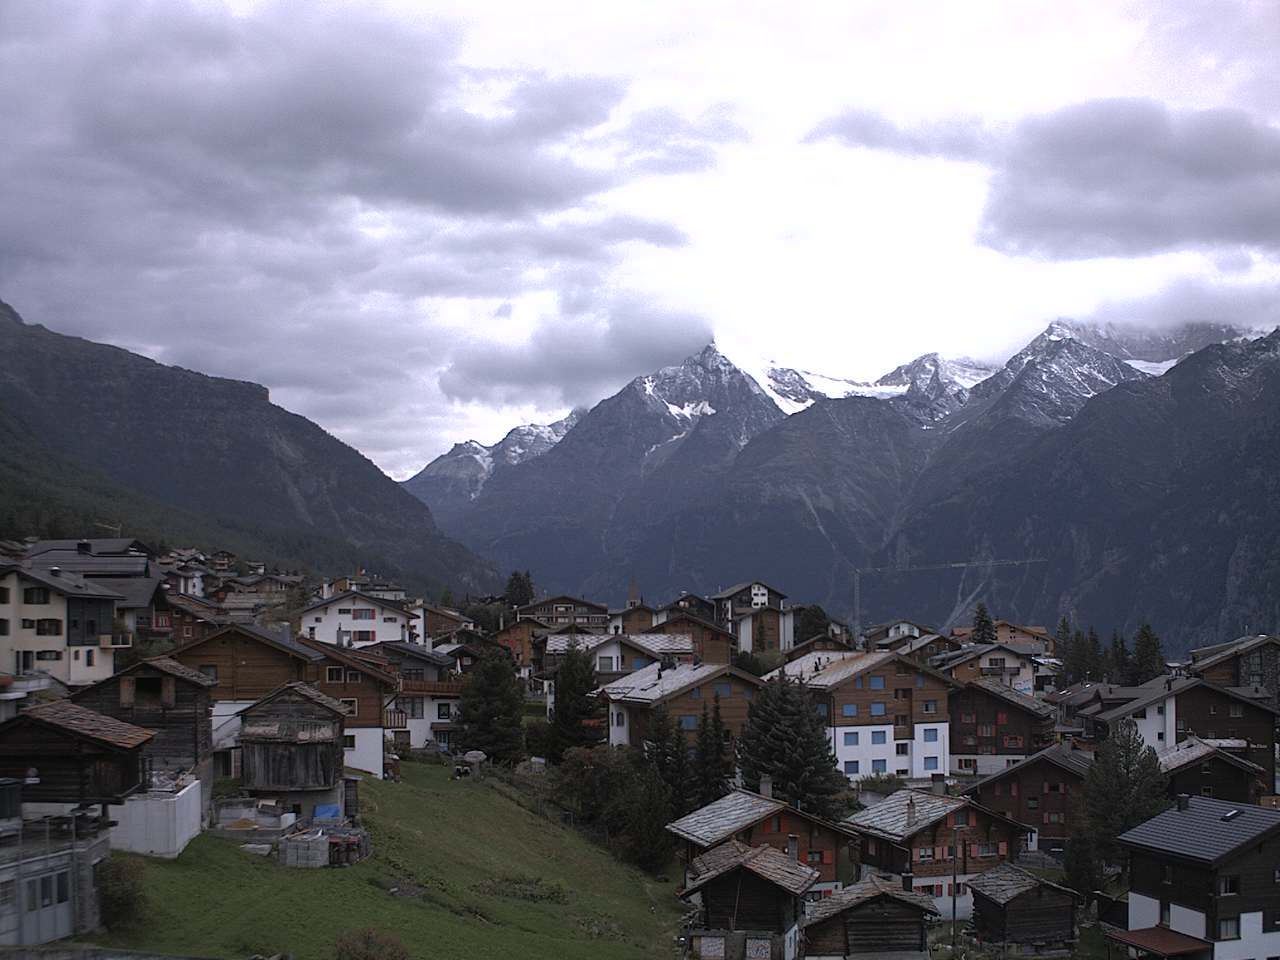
[[985, 841], [711, 644], [291, 742], [1216, 776], [907, 693], [1040, 794], [518, 639], [985, 723], [60, 765], [1044, 914], [1210, 713], [873, 928]]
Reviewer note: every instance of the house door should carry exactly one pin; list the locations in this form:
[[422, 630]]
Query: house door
[[26, 661], [46, 908]]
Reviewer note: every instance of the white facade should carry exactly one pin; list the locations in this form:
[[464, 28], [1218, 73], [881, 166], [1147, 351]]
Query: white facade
[[421, 712], [619, 725], [1010, 669], [158, 824], [786, 631], [865, 751], [356, 621], [1252, 943], [34, 636], [364, 749], [964, 900], [983, 764], [1157, 723]]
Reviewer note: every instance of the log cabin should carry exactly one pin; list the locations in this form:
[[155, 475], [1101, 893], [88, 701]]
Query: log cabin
[[875, 917], [1042, 791], [1012, 906], [750, 902]]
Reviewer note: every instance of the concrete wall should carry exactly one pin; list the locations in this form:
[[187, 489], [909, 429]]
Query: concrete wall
[[158, 824], [366, 755]]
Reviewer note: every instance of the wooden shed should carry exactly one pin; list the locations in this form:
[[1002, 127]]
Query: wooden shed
[[66, 753], [1012, 906], [750, 901], [875, 917], [163, 695], [291, 741]]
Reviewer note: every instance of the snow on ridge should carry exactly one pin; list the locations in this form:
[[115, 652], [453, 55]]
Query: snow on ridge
[[1153, 368]]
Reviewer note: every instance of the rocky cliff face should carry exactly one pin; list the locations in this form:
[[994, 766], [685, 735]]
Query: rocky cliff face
[[219, 450]]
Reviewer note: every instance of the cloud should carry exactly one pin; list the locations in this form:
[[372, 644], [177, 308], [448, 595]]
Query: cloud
[[1132, 178], [577, 360], [1250, 305], [312, 196], [953, 139]]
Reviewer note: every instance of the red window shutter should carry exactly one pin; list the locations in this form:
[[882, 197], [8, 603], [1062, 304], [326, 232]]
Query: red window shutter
[[1013, 789], [1046, 818], [939, 853], [828, 856], [1046, 786], [973, 849]]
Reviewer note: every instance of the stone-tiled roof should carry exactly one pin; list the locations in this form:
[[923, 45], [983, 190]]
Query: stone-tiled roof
[[824, 669], [1193, 750], [863, 891], [723, 818], [764, 861], [1076, 762], [656, 683], [1032, 705], [1208, 831], [1005, 881], [89, 724], [1208, 656], [175, 669], [302, 690], [904, 813]]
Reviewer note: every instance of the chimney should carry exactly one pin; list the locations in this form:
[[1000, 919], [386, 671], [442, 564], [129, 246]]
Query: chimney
[[84, 546], [55, 571], [911, 811], [1184, 801], [766, 787], [907, 878], [938, 784], [793, 846]]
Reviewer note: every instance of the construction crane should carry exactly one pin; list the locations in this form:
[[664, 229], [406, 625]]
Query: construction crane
[[957, 565]]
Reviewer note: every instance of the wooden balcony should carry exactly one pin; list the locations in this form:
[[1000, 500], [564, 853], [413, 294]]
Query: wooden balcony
[[432, 688], [115, 641], [395, 720]]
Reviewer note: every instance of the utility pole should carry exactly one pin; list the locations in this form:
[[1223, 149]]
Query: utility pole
[[956, 565]]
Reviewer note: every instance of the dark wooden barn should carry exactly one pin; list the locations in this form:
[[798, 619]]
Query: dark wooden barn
[[874, 917], [291, 741], [67, 753], [750, 901], [167, 697], [1011, 906]]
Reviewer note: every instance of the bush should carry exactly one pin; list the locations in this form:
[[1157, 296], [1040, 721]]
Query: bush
[[121, 896], [537, 736], [370, 944]]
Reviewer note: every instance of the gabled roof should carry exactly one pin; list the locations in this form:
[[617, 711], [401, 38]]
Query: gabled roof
[[135, 593], [370, 665], [366, 598], [722, 818], [906, 812], [97, 547], [652, 644], [1209, 656], [417, 651], [66, 583], [765, 862], [953, 658], [745, 585], [1015, 698], [864, 891], [827, 669], [298, 688], [912, 644], [1193, 750], [170, 666], [281, 641], [683, 613], [655, 683], [1209, 831], [564, 598], [1074, 762], [86, 724], [1161, 688], [1004, 881]]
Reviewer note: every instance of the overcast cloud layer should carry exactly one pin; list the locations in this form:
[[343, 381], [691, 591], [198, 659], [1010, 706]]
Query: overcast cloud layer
[[416, 230]]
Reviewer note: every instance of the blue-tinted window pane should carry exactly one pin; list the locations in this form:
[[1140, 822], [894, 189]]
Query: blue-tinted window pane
[[877, 709], [849, 710], [850, 738], [931, 763], [877, 736], [931, 735], [851, 766], [879, 766], [877, 682]]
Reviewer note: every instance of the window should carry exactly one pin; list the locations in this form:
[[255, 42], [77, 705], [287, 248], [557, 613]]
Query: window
[[723, 690], [919, 679], [899, 719], [8, 892], [1206, 791], [857, 683], [877, 709], [88, 657], [619, 719], [821, 708], [931, 735], [1237, 710], [962, 818], [966, 717], [604, 664], [48, 628], [851, 738], [902, 693], [931, 706], [879, 766], [28, 624], [349, 741], [415, 708], [988, 849], [353, 704], [688, 722], [1228, 885], [1229, 928], [4, 594], [344, 611], [1014, 743], [319, 619], [877, 682], [364, 613], [924, 854], [931, 763], [849, 710], [968, 763], [696, 693], [1053, 818], [1164, 913], [1033, 803], [4, 627], [444, 711], [35, 595], [877, 736], [986, 730], [390, 620], [48, 654], [813, 857], [851, 767], [64, 886], [902, 749], [333, 674]]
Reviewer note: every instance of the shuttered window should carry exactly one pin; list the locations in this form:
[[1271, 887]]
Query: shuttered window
[[127, 687]]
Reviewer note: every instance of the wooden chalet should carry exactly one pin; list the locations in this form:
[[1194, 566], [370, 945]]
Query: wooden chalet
[[993, 725], [1012, 906], [1042, 791], [439, 621], [711, 643], [291, 744], [823, 642], [682, 691], [757, 818], [565, 610], [1246, 662], [167, 697], [693, 603], [430, 694], [1198, 768], [1031, 636], [750, 902], [66, 753], [939, 839], [518, 639], [635, 617], [194, 618], [875, 917]]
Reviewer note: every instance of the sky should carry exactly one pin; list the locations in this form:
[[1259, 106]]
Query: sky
[[418, 229]]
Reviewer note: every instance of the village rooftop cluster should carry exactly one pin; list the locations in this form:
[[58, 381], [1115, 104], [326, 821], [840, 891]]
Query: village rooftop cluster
[[967, 753]]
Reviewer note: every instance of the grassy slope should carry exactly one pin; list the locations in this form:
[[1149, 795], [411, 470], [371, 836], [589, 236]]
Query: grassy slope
[[446, 838]]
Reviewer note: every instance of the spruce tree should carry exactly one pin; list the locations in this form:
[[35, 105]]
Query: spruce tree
[[668, 750], [1119, 665], [1062, 638], [710, 765], [984, 628], [519, 590], [786, 739], [1094, 666], [1081, 867], [1075, 660], [645, 840], [575, 708], [1124, 787], [492, 709], [1148, 655]]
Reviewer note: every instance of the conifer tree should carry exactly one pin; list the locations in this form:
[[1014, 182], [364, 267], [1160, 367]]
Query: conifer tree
[[1075, 660], [574, 708], [519, 590], [984, 628], [645, 840], [1124, 787], [492, 709], [1148, 655], [1119, 664], [1062, 638], [1094, 666], [710, 764], [786, 739], [668, 750]]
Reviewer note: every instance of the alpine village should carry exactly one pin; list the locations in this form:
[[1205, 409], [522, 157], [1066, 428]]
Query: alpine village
[[778, 783]]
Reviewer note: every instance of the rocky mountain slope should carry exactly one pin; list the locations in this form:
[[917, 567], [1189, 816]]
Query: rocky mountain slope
[[185, 444]]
